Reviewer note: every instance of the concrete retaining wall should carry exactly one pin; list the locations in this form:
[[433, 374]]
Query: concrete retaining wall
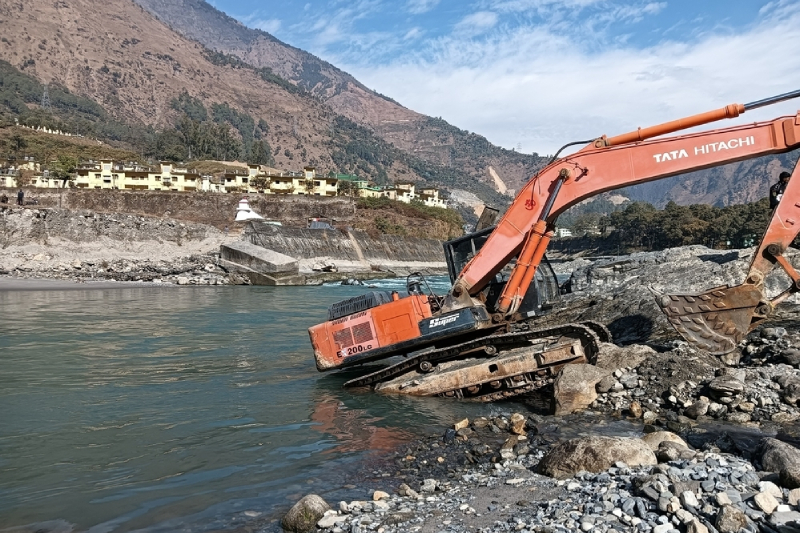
[[208, 208], [354, 245]]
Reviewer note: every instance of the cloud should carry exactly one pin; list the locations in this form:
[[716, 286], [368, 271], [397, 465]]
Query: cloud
[[418, 7], [272, 26], [413, 33], [477, 22], [538, 85]]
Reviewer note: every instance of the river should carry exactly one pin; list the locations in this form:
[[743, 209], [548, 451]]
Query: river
[[195, 408]]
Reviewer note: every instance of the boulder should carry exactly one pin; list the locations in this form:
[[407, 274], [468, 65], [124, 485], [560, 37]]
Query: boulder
[[730, 519], [695, 526], [777, 455], [672, 451], [786, 521], [612, 357], [594, 454], [790, 477], [766, 502], [791, 392], [574, 387], [654, 439], [304, 515], [791, 357], [725, 386], [518, 423], [606, 384], [698, 408]]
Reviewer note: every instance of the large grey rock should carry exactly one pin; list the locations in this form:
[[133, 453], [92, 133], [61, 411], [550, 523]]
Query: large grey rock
[[787, 521], [790, 477], [791, 392], [654, 439], [574, 387], [730, 519], [594, 454], [777, 455], [672, 451], [304, 515], [723, 386], [612, 357], [698, 408]]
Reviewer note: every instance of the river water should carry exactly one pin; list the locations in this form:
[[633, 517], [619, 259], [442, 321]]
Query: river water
[[196, 408]]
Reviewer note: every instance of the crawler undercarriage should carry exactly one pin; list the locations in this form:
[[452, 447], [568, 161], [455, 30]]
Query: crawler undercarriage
[[494, 367]]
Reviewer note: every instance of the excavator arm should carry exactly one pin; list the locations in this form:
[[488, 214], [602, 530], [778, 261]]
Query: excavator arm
[[610, 163]]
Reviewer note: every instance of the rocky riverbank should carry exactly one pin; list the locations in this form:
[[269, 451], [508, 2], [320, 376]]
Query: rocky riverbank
[[511, 473], [709, 445]]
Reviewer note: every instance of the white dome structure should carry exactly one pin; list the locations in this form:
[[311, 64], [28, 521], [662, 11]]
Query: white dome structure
[[243, 212]]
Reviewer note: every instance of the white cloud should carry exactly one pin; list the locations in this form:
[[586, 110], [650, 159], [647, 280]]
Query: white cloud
[[477, 22], [540, 86], [413, 33], [268, 25], [417, 7]]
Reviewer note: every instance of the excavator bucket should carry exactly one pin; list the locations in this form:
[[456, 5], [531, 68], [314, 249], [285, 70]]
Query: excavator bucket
[[716, 320]]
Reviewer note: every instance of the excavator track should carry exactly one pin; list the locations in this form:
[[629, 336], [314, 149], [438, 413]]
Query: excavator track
[[524, 360]]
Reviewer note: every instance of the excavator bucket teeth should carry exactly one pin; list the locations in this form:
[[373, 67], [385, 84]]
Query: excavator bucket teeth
[[715, 321]]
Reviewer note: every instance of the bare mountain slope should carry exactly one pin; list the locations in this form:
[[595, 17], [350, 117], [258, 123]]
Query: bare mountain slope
[[130, 63], [433, 140], [133, 65]]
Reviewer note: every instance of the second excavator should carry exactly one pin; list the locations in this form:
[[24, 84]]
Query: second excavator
[[480, 340]]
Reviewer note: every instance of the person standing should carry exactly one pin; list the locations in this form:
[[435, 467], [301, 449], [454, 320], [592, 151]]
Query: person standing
[[21, 197], [777, 190]]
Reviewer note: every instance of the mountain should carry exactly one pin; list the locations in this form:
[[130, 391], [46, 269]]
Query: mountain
[[433, 140], [135, 67], [737, 183], [144, 73]]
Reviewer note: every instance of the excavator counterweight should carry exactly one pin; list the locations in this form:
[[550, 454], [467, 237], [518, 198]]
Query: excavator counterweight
[[479, 341]]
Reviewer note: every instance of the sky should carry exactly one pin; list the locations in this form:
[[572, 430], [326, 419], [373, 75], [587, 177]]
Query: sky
[[532, 75]]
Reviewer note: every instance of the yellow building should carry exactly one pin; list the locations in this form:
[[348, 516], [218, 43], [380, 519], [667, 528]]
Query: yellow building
[[405, 191], [430, 197], [255, 179], [109, 175]]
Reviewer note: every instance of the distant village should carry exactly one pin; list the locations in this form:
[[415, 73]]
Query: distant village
[[255, 179]]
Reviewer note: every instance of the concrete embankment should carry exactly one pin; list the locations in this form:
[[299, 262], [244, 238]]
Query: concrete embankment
[[51, 242], [275, 255], [207, 208]]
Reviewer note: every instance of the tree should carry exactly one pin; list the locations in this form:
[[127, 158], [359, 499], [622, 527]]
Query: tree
[[23, 177], [585, 223], [64, 167], [18, 143], [261, 153], [260, 183]]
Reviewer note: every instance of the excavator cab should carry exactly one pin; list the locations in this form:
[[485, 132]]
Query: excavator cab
[[541, 294]]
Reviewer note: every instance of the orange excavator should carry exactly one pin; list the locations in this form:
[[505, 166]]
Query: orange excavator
[[480, 340]]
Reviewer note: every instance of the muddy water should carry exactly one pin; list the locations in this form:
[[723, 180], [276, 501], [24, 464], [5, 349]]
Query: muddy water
[[200, 408]]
